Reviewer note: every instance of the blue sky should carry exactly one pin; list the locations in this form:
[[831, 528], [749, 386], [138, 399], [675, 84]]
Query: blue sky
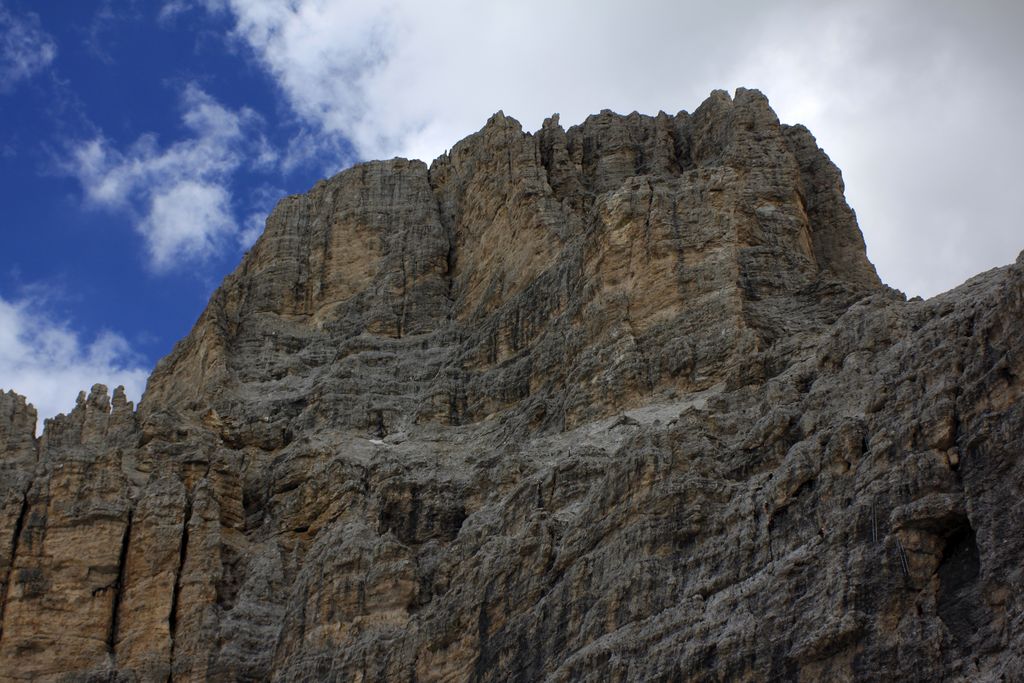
[[124, 119], [143, 143]]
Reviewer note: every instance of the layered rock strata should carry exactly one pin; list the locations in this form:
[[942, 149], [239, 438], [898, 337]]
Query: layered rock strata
[[625, 401]]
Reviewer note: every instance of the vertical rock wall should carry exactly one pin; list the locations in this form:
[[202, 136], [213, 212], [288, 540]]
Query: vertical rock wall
[[625, 401]]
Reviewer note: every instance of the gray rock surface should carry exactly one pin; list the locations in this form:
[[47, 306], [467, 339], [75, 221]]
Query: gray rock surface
[[624, 402]]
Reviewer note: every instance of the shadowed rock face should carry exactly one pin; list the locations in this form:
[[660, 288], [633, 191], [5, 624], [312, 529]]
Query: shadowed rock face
[[622, 402]]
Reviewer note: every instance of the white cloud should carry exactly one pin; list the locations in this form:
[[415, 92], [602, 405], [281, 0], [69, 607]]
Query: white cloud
[[915, 110], [412, 78], [25, 49], [916, 102], [48, 362], [179, 192], [254, 225], [186, 222]]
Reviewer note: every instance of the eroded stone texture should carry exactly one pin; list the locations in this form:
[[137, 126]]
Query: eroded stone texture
[[18, 453], [625, 401], [64, 574]]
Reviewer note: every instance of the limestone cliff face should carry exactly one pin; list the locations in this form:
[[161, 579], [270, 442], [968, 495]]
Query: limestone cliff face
[[620, 402]]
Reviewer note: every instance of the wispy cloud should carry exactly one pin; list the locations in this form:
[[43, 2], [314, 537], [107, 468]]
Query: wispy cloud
[[179, 194], [170, 10], [262, 200], [904, 97], [25, 49], [48, 362], [253, 228]]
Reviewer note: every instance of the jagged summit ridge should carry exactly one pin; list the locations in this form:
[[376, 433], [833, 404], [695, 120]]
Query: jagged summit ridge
[[529, 258], [619, 401]]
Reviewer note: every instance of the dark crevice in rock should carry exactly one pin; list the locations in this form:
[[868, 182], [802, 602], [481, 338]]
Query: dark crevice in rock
[[449, 269], [233, 573], [18, 525], [457, 399], [377, 424], [172, 617], [874, 524], [483, 663], [901, 555], [115, 608], [400, 317], [959, 602]]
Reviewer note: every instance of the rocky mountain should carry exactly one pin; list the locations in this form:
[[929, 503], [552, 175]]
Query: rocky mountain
[[623, 402]]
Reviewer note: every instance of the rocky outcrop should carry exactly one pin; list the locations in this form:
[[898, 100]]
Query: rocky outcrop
[[625, 401]]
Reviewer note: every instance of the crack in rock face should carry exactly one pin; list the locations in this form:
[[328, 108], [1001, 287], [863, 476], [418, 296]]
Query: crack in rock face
[[623, 401]]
